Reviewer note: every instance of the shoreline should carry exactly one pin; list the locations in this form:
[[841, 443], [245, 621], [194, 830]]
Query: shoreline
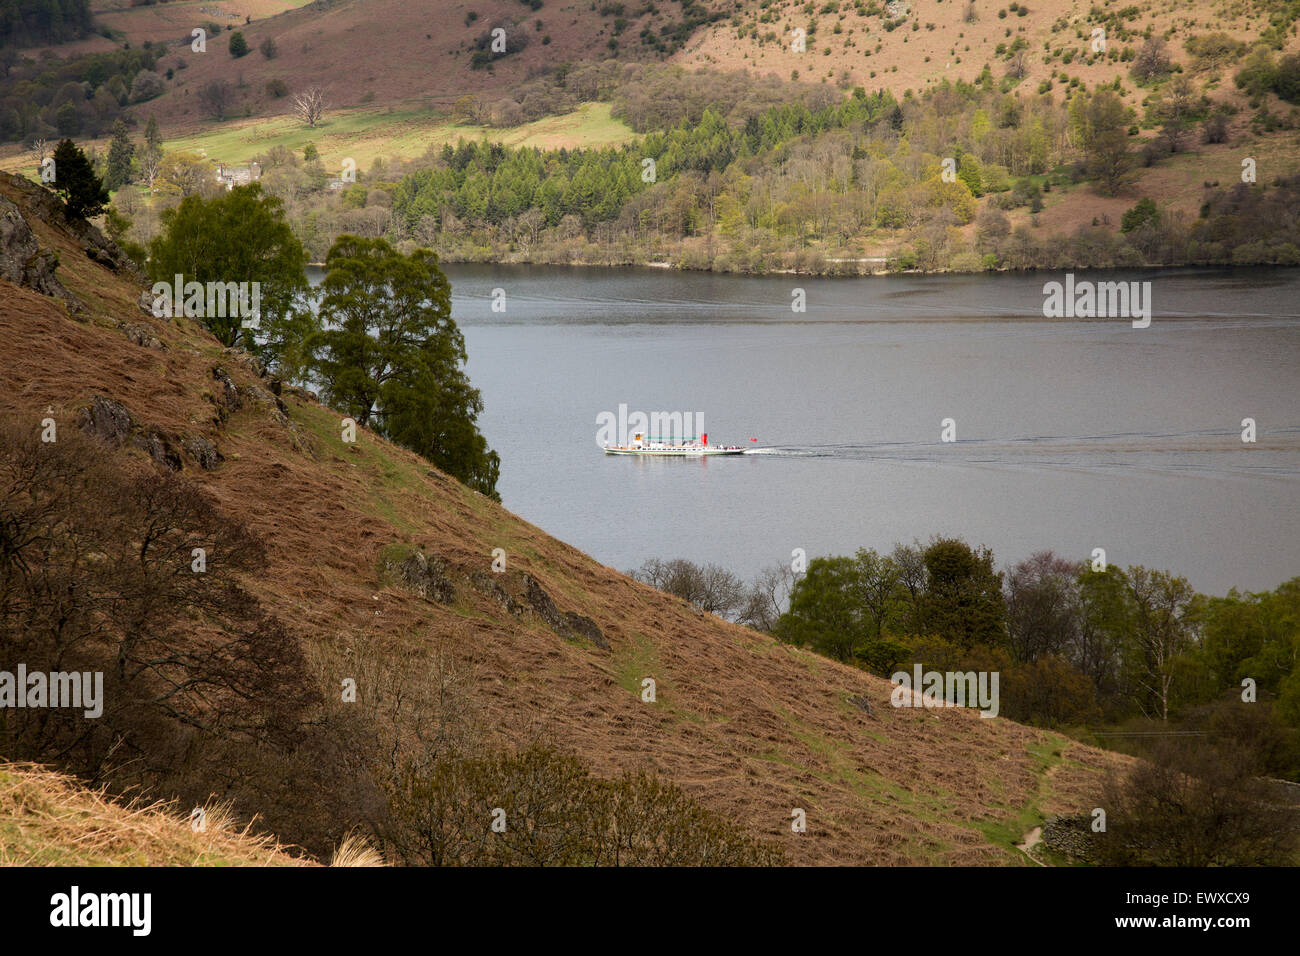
[[874, 274]]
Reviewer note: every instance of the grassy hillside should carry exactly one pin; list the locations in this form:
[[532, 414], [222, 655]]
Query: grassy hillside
[[903, 44], [750, 728], [369, 134], [49, 819]]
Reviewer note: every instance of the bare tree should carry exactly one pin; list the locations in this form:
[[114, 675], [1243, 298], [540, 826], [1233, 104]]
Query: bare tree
[[1042, 606], [1151, 61], [309, 105], [216, 97], [1018, 65], [709, 587], [1162, 632], [768, 597], [150, 163]]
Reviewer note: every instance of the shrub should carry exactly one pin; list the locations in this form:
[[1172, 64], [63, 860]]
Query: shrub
[[1215, 129], [1145, 211], [550, 811]]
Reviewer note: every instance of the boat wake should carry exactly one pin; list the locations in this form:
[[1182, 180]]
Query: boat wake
[[1206, 451]]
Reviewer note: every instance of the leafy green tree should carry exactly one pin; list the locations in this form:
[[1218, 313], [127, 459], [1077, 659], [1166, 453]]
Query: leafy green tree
[[1104, 620], [963, 598], [1143, 212], [393, 356], [153, 135], [1252, 635], [120, 153], [971, 173], [824, 612], [75, 182], [877, 589], [1105, 142], [242, 236], [238, 45]]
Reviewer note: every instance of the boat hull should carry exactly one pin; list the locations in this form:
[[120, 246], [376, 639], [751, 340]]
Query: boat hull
[[674, 452]]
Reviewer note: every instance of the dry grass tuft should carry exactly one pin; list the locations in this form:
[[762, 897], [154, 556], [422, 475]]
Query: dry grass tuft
[[355, 850], [49, 819]]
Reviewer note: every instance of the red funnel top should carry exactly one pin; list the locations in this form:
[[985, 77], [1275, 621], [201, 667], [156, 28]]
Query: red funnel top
[[704, 437]]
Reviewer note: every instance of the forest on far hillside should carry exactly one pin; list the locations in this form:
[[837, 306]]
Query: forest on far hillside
[[25, 23], [733, 179]]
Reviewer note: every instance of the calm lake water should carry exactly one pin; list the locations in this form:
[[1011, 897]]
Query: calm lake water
[[1071, 434]]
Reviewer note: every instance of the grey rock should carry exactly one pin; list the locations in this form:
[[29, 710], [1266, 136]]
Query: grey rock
[[567, 624], [1070, 835], [489, 585], [202, 451], [586, 628], [24, 263], [107, 420], [861, 702], [425, 576], [229, 397], [141, 335], [158, 445]]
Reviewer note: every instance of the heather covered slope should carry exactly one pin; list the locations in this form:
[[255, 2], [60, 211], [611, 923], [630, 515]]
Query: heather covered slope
[[751, 728]]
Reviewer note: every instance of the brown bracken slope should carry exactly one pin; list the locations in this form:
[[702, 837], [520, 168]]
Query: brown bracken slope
[[750, 727]]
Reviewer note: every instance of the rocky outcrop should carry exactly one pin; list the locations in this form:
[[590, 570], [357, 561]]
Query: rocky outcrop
[[586, 628], [24, 263], [159, 446], [861, 703], [228, 400], [425, 576], [488, 584], [111, 422], [567, 624], [141, 335], [107, 420], [202, 451], [49, 207]]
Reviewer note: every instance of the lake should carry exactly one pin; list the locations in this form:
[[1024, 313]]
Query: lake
[[1070, 434]]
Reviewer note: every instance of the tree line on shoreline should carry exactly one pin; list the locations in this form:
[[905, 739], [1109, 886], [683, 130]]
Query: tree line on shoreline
[[800, 177], [1079, 648]]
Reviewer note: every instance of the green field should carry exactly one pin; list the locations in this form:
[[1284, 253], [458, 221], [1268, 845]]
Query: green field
[[366, 134]]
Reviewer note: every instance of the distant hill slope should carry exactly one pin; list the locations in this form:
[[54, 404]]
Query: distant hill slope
[[379, 52], [752, 728], [400, 52], [905, 44]]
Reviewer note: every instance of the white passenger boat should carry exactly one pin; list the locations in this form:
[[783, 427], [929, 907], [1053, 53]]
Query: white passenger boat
[[654, 447]]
